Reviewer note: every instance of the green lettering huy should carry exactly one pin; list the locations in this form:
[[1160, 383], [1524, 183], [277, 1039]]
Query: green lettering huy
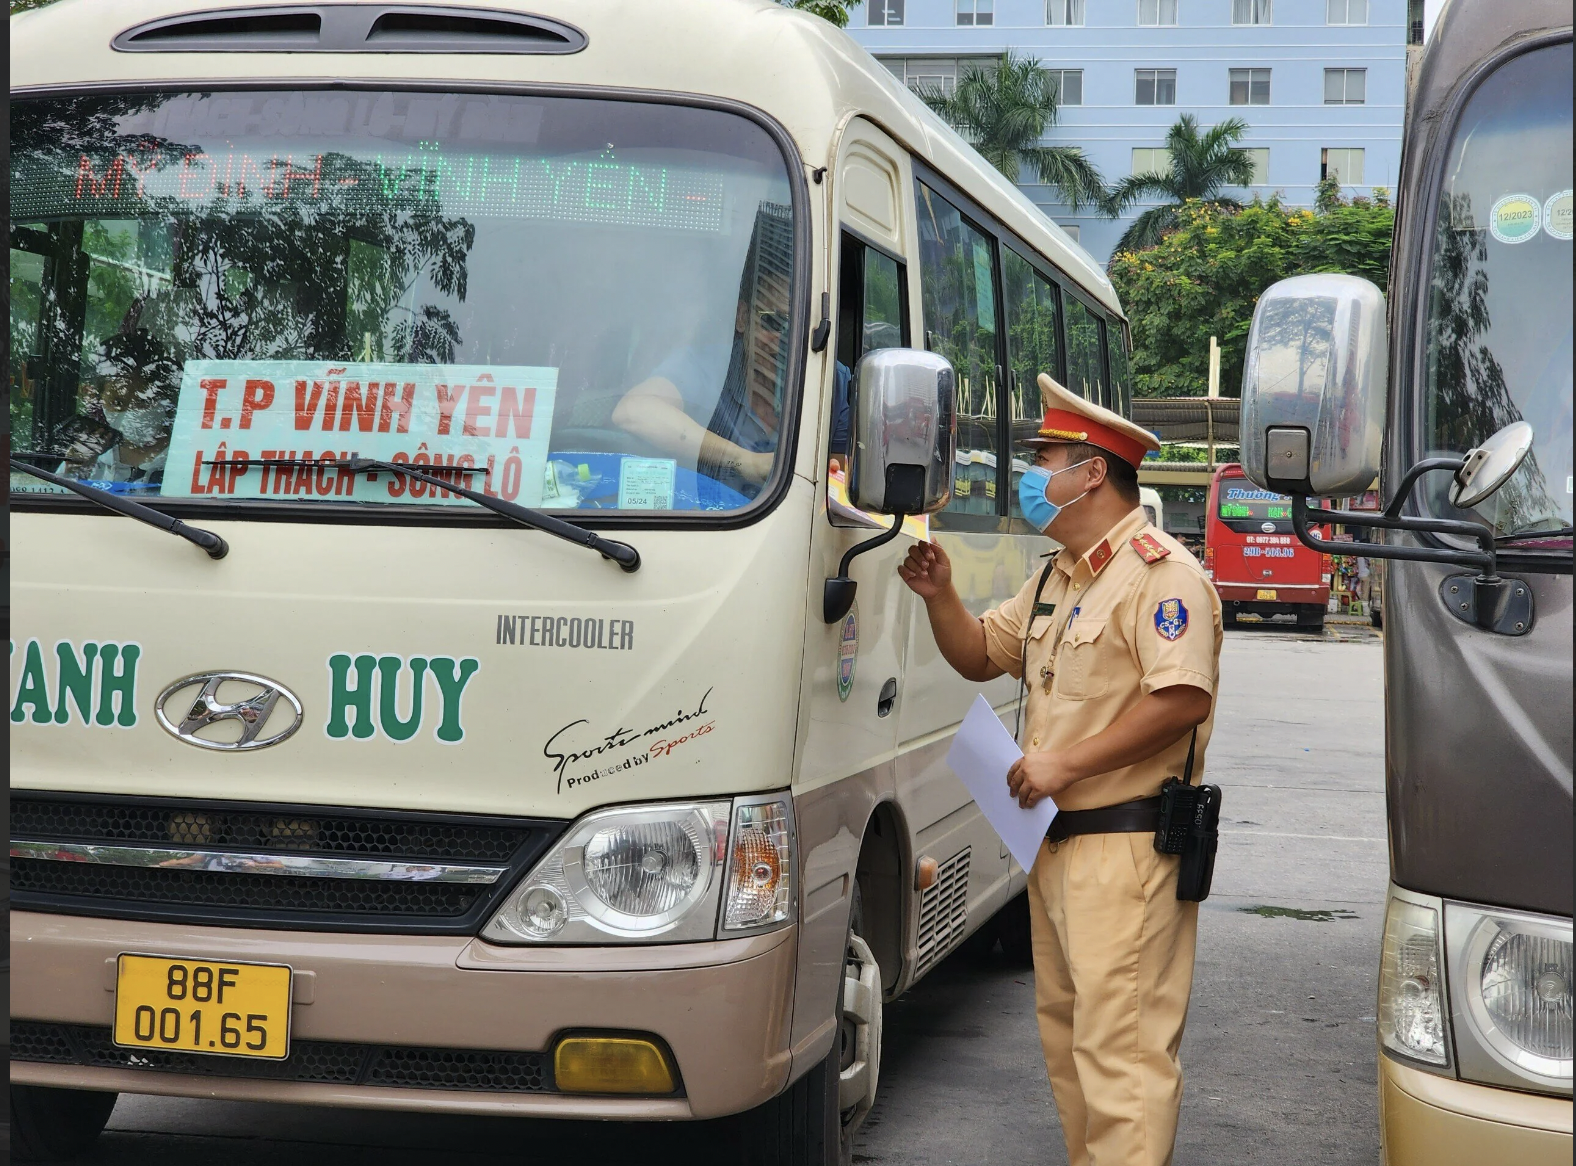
[[343, 697], [388, 696], [452, 679]]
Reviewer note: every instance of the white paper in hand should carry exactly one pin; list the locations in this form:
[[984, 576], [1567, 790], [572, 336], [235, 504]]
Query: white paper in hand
[[981, 754]]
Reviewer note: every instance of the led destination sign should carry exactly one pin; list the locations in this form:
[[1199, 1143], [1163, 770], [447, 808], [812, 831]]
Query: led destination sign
[[152, 180]]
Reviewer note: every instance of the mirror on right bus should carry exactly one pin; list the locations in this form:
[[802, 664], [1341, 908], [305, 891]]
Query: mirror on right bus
[[1313, 386], [904, 431]]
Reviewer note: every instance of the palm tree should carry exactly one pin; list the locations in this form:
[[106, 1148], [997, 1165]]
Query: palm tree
[[1200, 165], [1004, 112], [836, 11]]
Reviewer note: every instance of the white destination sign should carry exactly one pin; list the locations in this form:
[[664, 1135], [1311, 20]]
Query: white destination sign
[[486, 424]]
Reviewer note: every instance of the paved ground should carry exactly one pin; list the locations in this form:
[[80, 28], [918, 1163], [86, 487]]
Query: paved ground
[[1279, 1052]]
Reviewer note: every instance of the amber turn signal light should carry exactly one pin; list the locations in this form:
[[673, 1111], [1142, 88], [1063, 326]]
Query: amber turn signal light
[[611, 1064]]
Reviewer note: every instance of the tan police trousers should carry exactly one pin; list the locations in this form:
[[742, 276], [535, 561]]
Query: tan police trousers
[[1113, 966]]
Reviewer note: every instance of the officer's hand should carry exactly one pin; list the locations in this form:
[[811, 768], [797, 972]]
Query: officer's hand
[[927, 570], [1036, 776]]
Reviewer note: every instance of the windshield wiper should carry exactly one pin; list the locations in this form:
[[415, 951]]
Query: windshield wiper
[[626, 556], [216, 547], [1531, 535]]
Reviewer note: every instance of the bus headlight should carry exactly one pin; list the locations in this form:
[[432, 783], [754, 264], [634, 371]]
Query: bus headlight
[[1411, 983], [1517, 972], [628, 873]]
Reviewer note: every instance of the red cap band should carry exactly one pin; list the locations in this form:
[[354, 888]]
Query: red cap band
[[1062, 425]]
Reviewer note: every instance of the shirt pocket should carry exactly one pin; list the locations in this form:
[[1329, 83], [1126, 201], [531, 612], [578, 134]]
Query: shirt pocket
[[1079, 675]]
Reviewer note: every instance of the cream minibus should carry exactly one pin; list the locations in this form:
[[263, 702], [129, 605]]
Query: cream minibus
[[510, 727]]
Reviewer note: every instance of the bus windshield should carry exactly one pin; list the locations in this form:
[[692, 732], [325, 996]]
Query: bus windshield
[[568, 303], [1499, 299]]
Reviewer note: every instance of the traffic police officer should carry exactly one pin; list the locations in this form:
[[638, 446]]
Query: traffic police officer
[[1119, 646]]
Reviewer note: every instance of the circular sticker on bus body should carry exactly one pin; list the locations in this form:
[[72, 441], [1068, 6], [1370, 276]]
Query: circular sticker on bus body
[[847, 653], [1515, 218], [1557, 215]]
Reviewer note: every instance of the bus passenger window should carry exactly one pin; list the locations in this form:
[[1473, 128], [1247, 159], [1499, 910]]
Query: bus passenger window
[[1084, 374], [871, 314], [957, 279], [1033, 348], [1121, 372]]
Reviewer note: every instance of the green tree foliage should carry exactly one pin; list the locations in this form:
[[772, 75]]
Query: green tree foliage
[[1204, 278], [836, 11], [1201, 164], [1004, 112]]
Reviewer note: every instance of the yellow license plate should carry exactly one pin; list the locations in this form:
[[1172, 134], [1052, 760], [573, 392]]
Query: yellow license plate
[[1263, 594], [203, 1006]]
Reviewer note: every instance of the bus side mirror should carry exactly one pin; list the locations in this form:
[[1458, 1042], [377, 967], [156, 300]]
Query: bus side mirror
[[1313, 387], [904, 431], [904, 422]]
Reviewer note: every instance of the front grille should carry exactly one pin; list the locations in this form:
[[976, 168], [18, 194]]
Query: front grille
[[246, 828], [943, 911], [331, 1062], [196, 888], [248, 899]]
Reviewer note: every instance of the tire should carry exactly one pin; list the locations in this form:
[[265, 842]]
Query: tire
[[813, 1121], [1376, 617], [1312, 620], [55, 1125]]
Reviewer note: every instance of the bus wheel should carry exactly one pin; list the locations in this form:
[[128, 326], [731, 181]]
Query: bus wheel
[[813, 1121], [53, 1125], [1312, 620]]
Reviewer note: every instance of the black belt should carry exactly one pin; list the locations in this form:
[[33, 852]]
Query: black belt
[[1140, 817]]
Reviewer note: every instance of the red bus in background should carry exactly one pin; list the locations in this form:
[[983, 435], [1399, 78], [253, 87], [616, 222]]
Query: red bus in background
[[1257, 563]]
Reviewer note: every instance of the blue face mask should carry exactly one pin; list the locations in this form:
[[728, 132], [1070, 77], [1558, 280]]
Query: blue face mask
[[1039, 510]]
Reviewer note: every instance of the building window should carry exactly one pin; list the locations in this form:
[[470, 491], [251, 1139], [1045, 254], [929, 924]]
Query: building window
[[978, 13], [885, 13], [1341, 164], [1069, 85], [1147, 160], [1250, 11], [1260, 157], [1345, 86], [1156, 86], [935, 74], [1250, 87], [1072, 229], [1414, 22], [1065, 12], [1346, 12], [1157, 12]]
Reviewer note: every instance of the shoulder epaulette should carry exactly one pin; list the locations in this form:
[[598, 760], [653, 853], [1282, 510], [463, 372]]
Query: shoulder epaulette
[[1149, 548]]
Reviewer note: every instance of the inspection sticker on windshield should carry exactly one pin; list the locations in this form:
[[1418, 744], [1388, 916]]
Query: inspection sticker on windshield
[[1557, 215], [1515, 218], [486, 427]]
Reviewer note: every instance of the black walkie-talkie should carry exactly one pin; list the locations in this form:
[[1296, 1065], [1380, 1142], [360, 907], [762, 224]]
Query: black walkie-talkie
[[1190, 826]]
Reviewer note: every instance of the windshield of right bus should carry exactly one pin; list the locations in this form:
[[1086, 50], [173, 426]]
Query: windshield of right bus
[[1499, 300]]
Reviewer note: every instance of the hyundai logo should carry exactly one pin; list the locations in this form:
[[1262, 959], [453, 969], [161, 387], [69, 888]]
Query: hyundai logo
[[1268, 528], [247, 719]]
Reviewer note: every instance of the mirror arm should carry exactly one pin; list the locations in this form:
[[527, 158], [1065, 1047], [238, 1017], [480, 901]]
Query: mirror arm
[[1404, 491], [1486, 560], [838, 595]]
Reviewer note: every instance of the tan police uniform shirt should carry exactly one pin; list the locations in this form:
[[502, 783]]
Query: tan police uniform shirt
[[1121, 621]]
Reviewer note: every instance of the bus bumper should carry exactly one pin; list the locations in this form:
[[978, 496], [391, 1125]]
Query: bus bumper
[[431, 1007], [1426, 1120]]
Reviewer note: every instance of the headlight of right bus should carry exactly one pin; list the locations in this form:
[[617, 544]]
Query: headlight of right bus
[[657, 873]]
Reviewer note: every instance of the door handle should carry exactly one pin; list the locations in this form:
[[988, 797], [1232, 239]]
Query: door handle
[[887, 698]]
